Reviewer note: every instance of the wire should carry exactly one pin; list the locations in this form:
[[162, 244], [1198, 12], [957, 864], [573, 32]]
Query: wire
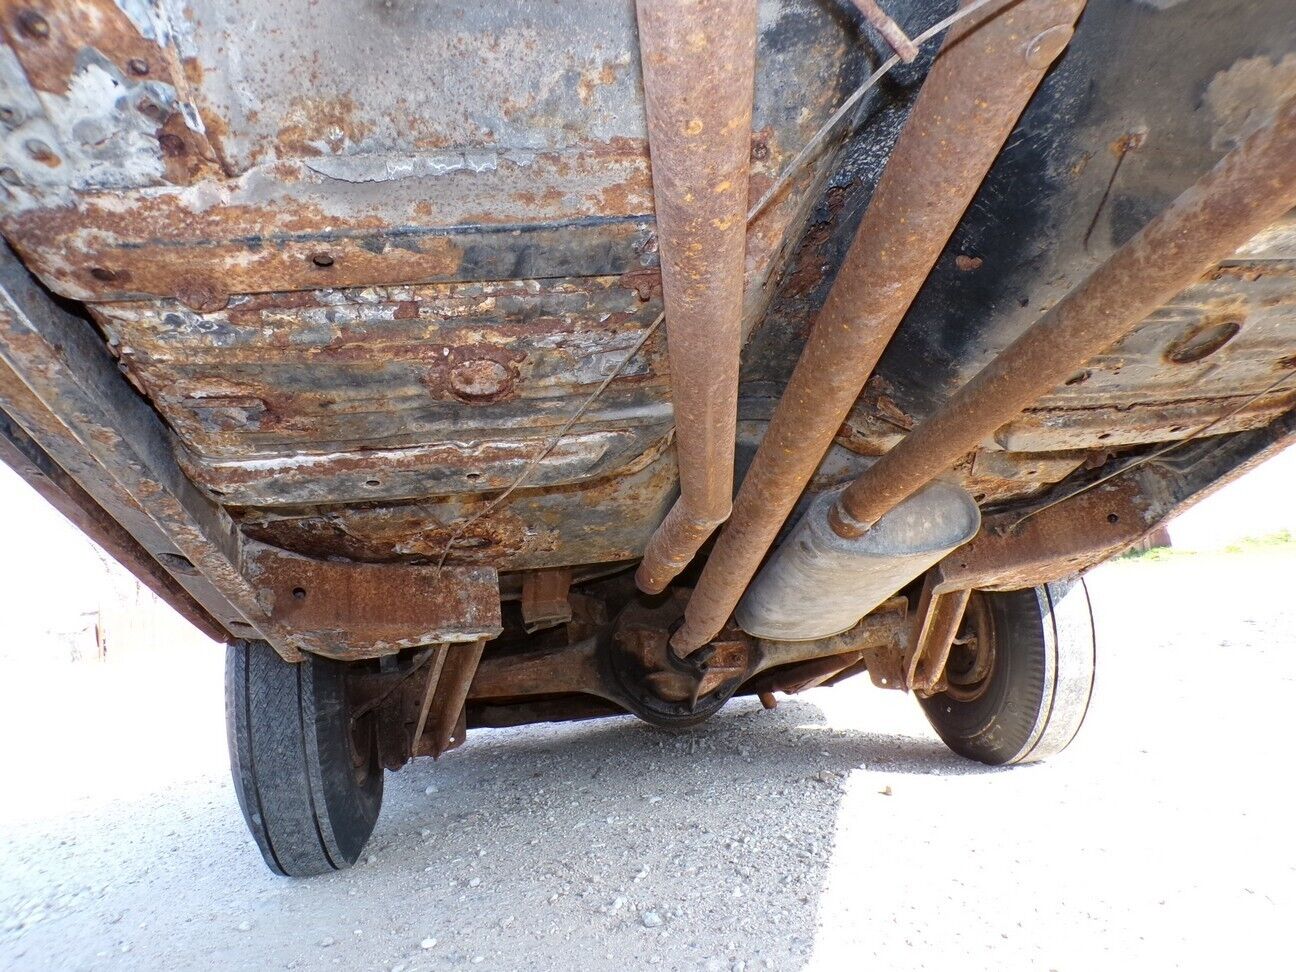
[[819, 137], [797, 162]]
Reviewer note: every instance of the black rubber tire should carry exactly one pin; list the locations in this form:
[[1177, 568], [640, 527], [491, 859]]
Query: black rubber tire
[[1038, 689], [309, 803]]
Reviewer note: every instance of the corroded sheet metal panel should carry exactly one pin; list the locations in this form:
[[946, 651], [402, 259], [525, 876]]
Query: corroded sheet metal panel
[[365, 258], [202, 149], [600, 521], [1208, 353], [395, 393]]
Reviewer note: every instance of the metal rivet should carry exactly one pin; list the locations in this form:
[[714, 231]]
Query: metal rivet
[[10, 176], [10, 115], [138, 66], [322, 260], [203, 296], [103, 274], [33, 25]]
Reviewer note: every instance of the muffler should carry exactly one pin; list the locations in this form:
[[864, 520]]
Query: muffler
[[818, 584]]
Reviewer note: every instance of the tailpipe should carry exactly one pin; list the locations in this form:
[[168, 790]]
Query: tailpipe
[[699, 64], [818, 584]]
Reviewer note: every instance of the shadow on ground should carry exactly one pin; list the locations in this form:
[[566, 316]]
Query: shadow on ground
[[611, 840]]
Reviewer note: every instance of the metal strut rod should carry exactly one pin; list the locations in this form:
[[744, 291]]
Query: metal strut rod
[[1249, 189], [981, 81], [699, 61]]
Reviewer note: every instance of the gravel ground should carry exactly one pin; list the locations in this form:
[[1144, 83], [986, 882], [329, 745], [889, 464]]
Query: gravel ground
[[833, 832]]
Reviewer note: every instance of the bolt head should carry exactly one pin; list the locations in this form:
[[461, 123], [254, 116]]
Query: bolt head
[[480, 380]]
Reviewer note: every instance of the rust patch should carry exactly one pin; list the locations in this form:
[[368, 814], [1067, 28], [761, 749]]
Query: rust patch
[[338, 119], [283, 227], [186, 154], [592, 79], [1247, 95], [811, 260], [49, 37], [351, 611], [646, 283]]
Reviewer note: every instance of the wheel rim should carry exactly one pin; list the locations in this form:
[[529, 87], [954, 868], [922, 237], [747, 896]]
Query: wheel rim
[[362, 736], [971, 661]]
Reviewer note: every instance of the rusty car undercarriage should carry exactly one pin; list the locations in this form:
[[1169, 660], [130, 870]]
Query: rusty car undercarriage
[[470, 365]]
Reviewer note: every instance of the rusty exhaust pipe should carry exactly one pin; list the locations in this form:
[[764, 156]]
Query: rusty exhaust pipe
[[699, 60], [983, 77], [1247, 191]]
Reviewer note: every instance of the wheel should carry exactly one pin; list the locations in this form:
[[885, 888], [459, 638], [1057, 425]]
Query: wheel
[[1019, 676], [308, 781]]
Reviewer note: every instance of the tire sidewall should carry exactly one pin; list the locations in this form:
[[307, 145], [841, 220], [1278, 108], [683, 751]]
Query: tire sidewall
[[997, 727], [350, 806]]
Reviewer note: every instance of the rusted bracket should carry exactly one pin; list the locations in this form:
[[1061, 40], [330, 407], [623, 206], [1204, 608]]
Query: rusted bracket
[[353, 610], [448, 726], [1010, 553], [430, 682], [546, 600], [1065, 539], [936, 622]]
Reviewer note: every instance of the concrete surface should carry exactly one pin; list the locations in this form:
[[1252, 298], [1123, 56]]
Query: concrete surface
[[834, 832]]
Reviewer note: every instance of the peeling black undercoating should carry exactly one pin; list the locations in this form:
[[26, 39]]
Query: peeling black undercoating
[[1028, 222], [1023, 239]]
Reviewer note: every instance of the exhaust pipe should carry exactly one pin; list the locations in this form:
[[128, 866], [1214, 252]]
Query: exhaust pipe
[[986, 71], [1248, 190], [699, 62], [850, 532]]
